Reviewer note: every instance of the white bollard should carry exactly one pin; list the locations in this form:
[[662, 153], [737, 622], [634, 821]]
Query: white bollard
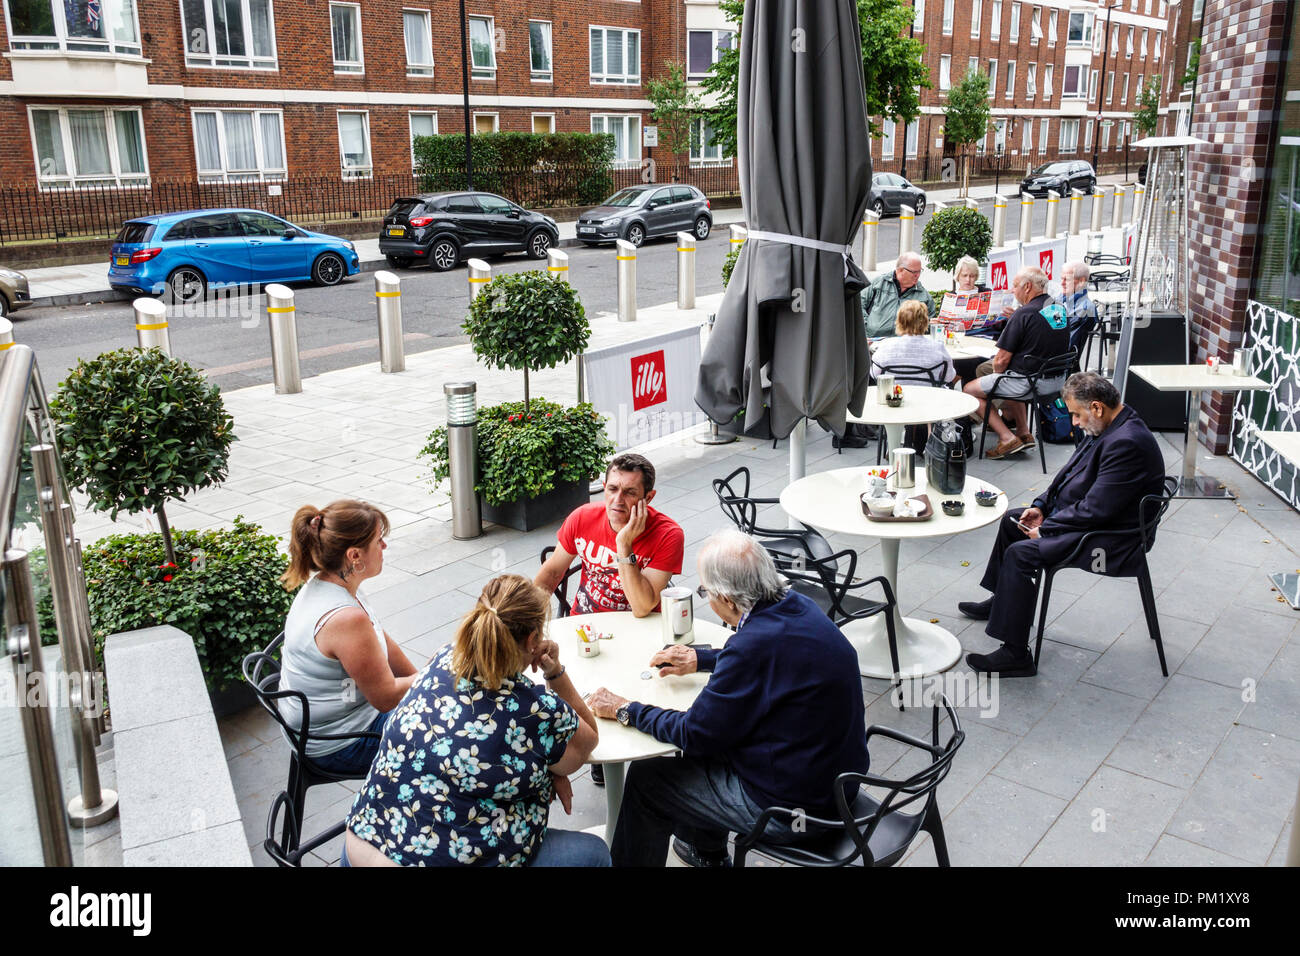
[[870, 239], [388, 310], [1117, 210], [6, 334], [625, 260], [479, 275], [906, 226], [1098, 200], [151, 325], [1139, 193], [999, 221], [557, 264], [972, 204], [1053, 206], [738, 234], [1076, 210], [1026, 217], [284, 339], [685, 270]]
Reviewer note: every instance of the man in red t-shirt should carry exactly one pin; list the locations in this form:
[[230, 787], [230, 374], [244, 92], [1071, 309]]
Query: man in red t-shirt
[[629, 550]]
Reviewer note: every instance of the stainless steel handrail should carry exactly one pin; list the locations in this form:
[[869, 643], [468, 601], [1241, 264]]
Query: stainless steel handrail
[[17, 366]]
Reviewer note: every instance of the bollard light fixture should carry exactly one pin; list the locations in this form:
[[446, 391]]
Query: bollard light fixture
[[1094, 243], [462, 402]]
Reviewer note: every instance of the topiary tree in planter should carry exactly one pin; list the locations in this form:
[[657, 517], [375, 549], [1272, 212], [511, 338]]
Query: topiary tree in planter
[[137, 428], [955, 232]]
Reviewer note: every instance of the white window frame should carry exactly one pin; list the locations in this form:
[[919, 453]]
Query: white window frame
[[1159, 42], [604, 77], [1071, 146], [79, 45], [420, 70], [1035, 25], [210, 59], [349, 67], [1128, 43], [486, 73], [533, 121], [264, 173], [999, 135], [69, 180], [912, 138], [411, 127], [1123, 97], [976, 13], [1027, 135], [496, 121], [972, 64], [1105, 139], [1142, 47], [1087, 136], [1010, 91], [995, 20], [1089, 25], [715, 54], [1114, 40], [918, 21], [889, 133], [1052, 23], [356, 172], [1044, 134], [1031, 81], [1049, 71], [993, 76], [1093, 76], [1013, 33], [948, 6], [542, 76], [1110, 87], [945, 72], [697, 157], [1080, 89], [632, 141]]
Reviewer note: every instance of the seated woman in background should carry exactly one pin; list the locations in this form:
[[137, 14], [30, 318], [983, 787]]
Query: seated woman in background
[[473, 757], [966, 277], [335, 651], [912, 346]]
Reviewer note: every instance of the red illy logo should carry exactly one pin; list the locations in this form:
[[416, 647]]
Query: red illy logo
[[1000, 276], [1045, 262], [649, 380]]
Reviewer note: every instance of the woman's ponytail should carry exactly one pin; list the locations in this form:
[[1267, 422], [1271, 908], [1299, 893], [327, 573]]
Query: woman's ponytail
[[489, 644]]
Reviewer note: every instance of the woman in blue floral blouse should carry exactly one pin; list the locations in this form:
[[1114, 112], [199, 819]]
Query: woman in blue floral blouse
[[474, 754]]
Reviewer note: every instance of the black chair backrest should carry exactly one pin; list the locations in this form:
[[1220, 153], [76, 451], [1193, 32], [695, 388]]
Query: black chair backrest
[[1151, 510], [916, 373], [262, 671], [736, 504], [901, 793], [562, 591], [826, 573]]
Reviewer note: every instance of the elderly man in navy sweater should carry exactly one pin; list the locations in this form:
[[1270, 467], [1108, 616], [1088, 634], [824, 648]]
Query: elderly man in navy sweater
[[780, 718]]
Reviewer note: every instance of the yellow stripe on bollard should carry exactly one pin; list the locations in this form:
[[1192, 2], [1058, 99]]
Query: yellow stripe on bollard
[[620, 259], [387, 295], [6, 345], [557, 268], [279, 308], [151, 328], [684, 249], [479, 280]]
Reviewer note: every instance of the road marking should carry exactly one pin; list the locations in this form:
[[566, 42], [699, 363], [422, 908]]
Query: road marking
[[309, 354]]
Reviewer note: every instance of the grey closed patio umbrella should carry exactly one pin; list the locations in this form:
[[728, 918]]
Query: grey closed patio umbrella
[[792, 307]]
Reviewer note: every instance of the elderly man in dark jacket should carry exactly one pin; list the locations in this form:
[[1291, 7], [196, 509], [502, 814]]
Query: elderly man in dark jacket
[[1101, 487]]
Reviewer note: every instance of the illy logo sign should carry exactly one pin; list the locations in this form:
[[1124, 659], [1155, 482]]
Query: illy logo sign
[[999, 276], [1045, 262], [649, 380]]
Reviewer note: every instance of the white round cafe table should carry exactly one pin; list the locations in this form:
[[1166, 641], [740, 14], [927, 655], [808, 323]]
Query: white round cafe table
[[830, 501], [972, 346], [922, 405], [622, 660]]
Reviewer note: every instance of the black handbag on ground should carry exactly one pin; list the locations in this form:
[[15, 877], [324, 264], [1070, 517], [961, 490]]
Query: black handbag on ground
[[945, 459]]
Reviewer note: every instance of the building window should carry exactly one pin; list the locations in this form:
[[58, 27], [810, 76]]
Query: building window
[[422, 124], [945, 72], [78, 147], [354, 144], [1079, 30], [976, 12], [999, 136], [947, 17], [419, 47], [995, 20], [615, 55], [1142, 49], [239, 145], [1048, 71], [486, 123], [543, 123], [993, 77], [1105, 136], [910, 138], [1035, 26], [1155, 52], [482, 51], [229, 33], [1087, 136], [704, 148], [1027, 135], [1044, 126], [1051, 28], [704, 48], [1092, 86], [626, 131], [1069, 136], [1074, 85], [1128, 43], [1011, 79], [972, 65], [1031, 80], [82, 26], [1014, 31], [1123, 96], [1198, 8], [1114, 42], [918, 22], [890, 129], [539, 51], [345, 26]]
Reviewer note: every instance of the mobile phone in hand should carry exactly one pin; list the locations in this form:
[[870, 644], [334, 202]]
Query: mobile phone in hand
[[1023, 527]]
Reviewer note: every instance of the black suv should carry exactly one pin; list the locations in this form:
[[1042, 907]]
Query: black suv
[[1060, 177], [444, 228], [639, 212]]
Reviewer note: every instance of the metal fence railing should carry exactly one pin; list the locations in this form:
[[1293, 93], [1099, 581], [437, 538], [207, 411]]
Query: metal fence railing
[[30, 214]]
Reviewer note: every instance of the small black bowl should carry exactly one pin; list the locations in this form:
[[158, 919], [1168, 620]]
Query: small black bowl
[[955, 508], [986, 498], [894, 402]]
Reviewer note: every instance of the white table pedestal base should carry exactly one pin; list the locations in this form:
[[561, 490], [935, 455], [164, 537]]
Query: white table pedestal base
[[613, 797], [923, 648]]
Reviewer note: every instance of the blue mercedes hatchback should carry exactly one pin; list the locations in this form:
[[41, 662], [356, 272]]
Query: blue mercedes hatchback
[[181, 255]]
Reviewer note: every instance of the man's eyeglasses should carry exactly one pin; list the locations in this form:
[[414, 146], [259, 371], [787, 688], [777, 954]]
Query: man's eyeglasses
[[915, 272], [703, 593]]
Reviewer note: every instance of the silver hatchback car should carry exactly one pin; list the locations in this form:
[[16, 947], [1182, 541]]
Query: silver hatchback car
[[641, 212], [14, 293]]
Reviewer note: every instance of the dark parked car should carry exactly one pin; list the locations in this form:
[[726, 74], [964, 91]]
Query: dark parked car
[[890, 192], [1060, 177], [444, 228], [641, 212]]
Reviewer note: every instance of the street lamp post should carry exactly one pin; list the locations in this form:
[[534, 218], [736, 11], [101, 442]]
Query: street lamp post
[[911, 33], [464, 63], [1101, 88]]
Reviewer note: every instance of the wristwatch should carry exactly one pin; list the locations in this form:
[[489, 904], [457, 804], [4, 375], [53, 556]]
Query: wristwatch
[[630, 559], [623, 715]]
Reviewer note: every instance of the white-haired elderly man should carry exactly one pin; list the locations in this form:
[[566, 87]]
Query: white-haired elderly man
[[780, 718], [1035, 333], [881, 299], [1080, 310]]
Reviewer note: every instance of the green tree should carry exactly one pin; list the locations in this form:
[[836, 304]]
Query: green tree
[[1148, 112], [675, 106], [891, 69], [966, 119], [1193, 64]]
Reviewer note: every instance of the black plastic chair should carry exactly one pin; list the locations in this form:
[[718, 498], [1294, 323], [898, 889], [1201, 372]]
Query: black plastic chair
[[1058, 366], [921, 375], [869, 832], [786, 545], [287, 847], [1150, 510], [562, 591]]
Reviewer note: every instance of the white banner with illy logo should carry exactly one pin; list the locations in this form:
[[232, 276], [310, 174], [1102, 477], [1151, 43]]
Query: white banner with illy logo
[[646, 389]]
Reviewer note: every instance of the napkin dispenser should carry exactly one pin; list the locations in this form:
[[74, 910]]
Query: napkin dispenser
[[678, 612]]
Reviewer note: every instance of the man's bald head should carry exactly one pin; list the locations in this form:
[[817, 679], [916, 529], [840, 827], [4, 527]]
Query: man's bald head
[[907, 270]]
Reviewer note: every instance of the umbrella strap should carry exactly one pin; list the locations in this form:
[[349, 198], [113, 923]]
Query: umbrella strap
[[817, 244]]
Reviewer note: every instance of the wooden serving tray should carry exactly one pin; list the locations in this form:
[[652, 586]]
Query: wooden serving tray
[[926, 514]]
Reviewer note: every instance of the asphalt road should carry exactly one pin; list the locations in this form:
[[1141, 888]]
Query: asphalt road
[[336, 327]]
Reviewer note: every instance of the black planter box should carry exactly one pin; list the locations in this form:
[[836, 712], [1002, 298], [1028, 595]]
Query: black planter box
[[238, 695], [551, 508]]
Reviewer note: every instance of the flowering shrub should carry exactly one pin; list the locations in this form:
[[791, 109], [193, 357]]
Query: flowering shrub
[[524, 454]]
